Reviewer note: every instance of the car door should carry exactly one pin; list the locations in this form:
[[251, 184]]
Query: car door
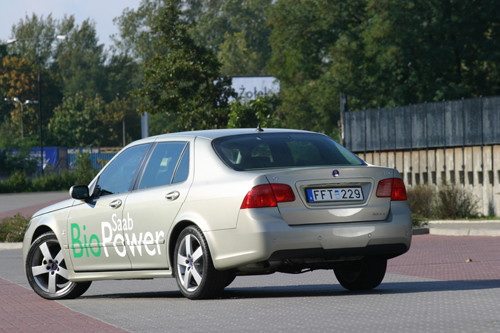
[[95, 228], [153, 206]]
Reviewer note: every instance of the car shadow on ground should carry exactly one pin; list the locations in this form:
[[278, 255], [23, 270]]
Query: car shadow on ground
[[321, 290]]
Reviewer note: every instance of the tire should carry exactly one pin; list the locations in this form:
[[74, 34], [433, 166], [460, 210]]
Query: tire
[[47, 272], [361, 275], [193, 268]]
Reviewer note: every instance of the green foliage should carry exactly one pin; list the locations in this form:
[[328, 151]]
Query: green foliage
[[237, 31], [446, 202], [18, 182], [77, 122], [10, 161], [185, 81], [84, 173], [403, 52], [455, 202], [80, 59], [251, 113], [173, 54], [51, 180], [420, 200], [12, 229]]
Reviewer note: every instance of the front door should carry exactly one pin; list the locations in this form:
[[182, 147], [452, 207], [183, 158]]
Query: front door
[[96, 227]]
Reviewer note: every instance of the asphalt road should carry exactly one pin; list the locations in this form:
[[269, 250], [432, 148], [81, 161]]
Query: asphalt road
[[444, 284]]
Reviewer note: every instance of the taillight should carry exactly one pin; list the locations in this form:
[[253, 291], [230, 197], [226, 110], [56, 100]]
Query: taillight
[[267, 195], [393, 188]]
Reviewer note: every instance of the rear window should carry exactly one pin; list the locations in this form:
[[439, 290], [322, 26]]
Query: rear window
[[282, 150]]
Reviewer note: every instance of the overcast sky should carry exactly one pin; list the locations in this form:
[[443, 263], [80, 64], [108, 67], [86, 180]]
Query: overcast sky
[[102, 12]]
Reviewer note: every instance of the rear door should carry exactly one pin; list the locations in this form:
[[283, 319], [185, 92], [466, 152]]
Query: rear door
[[153, 206]]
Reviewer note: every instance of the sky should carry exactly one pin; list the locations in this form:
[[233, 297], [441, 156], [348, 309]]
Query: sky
[[102, 12]]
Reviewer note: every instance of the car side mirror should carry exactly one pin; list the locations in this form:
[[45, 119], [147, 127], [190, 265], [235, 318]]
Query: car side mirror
[[80, 192]]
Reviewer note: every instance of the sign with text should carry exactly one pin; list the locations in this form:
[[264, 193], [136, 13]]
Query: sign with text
[[250, 87]]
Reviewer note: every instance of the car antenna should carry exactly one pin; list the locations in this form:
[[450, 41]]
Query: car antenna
[[259, 129]]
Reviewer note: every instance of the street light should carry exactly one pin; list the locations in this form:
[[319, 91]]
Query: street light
[[37, 39], [17, 100]]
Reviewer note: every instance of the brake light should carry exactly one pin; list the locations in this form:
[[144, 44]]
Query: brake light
[[267, 195], [393, 188]]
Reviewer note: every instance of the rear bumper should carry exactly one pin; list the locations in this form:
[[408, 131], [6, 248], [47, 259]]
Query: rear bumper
[[262, 235]]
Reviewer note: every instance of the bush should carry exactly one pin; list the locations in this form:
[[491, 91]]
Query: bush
[[447, 202], [455, 202], [18, 182], [19, 160], [51, 180], [420, 200], [12, 229], [83, 172]]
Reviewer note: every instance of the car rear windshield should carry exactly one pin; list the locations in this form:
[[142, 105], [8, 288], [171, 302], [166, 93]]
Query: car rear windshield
[[282, 150]]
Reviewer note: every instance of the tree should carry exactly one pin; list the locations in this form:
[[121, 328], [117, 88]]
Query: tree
[[302, 36], [77, 122], [136, 37], [18, 78], [80, 59], [236, 30], [185, 81], [416, 51], [261, 111], [35, 36]]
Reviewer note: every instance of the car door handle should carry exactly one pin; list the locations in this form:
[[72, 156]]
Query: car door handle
[[172, 195], [115, 203]]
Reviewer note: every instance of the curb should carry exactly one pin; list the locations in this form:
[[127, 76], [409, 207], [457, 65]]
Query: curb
[[10, 246], [465, 228]]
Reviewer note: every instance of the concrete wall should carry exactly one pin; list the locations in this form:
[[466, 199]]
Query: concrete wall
[[476, 168]]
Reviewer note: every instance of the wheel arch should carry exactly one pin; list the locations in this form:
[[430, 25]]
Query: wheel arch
[[174, 235], [40, 231]]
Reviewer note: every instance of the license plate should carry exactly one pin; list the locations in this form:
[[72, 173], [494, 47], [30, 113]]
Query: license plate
[[334, 194]]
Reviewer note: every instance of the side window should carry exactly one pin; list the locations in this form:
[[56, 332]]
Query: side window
[[182, 172], [120, 173], [162, 164]]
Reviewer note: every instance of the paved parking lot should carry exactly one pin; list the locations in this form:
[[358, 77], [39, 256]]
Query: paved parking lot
[[443, 284]]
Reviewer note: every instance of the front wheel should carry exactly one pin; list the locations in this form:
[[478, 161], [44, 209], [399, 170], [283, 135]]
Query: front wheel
[[361, 275], [194, 271], [46, 270]]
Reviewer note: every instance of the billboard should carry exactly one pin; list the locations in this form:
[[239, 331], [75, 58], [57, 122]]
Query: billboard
[[250, 87]]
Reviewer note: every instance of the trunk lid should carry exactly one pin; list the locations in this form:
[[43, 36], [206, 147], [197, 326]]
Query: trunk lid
[[321, 197]]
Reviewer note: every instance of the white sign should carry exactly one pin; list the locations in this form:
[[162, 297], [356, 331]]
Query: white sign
[[250, 87]]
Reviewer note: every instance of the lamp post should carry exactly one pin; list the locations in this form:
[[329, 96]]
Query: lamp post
[[37, 39], [17, 100]]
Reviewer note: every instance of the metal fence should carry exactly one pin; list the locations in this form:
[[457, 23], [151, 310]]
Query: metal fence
[[466, 122], [98, 156]]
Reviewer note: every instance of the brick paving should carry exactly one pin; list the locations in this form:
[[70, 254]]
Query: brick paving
[[21, 310], [469, 259], [27, 211], [450, 258]]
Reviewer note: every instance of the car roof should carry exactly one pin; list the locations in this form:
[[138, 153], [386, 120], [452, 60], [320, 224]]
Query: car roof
[[217, 133]]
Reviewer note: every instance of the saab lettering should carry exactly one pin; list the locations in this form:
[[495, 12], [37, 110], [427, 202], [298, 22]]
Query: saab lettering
[[78, 247], [125, 224]]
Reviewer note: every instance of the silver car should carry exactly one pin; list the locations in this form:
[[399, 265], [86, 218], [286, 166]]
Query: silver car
[[207, 206]]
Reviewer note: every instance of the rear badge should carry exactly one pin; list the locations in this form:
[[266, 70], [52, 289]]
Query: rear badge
[[336, 173]]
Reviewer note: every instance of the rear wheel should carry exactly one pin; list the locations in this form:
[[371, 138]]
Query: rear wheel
[[194, 270], [47, 272], [361, 275]]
